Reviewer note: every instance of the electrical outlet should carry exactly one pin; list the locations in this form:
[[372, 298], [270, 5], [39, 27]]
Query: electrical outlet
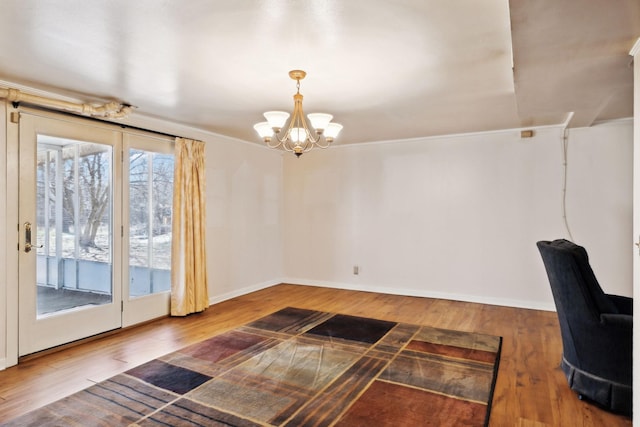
[[356, 270]]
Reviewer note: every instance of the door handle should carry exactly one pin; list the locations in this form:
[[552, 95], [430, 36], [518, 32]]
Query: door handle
[[27, 238]]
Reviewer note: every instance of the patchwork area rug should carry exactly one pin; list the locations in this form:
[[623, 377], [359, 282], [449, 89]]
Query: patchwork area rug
[[299, 367]]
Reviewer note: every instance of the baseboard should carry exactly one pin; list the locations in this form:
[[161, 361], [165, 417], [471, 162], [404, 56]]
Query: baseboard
[[243, 291], [3, 364], [534, 305]]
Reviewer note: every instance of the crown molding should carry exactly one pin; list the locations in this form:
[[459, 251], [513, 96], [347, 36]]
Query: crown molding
[[635, 50]]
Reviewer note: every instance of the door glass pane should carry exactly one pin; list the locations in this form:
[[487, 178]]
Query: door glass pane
[[73, 203], [150, 202]]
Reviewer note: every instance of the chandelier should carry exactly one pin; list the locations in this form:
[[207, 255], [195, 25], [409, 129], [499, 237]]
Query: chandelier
[[298, 137]]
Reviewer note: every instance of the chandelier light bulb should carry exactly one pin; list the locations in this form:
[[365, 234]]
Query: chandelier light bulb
[[332, 130], [319, 121], [264, 129], [298, 135], [276, 119]]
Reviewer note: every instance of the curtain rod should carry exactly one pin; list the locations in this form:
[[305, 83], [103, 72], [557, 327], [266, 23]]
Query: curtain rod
[[95, 112], [112, 110]]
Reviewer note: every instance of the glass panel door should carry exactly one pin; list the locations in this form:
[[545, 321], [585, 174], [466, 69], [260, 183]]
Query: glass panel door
[[149, 163], [68, 197]]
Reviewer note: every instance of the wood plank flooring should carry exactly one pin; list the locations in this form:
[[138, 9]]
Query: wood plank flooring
[[530, 391]]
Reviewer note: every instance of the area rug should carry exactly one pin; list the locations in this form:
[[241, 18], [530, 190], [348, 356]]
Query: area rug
[[299, 367]]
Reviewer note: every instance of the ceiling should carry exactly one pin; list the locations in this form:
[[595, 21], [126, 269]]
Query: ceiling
[[386, 70]]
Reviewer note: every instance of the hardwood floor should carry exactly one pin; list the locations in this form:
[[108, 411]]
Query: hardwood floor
[[530, 391]]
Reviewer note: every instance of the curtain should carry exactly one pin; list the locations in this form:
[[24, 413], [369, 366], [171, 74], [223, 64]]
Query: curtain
[[189, 292]]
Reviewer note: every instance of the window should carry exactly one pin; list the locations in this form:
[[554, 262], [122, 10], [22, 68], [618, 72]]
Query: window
[[73, 204], [150, 204]]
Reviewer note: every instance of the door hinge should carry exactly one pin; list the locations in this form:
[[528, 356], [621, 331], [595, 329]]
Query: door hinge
[[15, 117], [121, 306], [122, 231]]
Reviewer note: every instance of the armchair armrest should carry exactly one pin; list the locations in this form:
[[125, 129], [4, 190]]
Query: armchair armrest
[[624, 321], [623, 304]]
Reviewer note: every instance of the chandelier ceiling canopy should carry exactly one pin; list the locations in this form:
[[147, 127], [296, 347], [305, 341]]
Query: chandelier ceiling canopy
[[297, 136]]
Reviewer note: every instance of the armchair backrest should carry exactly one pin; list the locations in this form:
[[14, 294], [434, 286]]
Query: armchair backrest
[[571, 278], [578, 297]]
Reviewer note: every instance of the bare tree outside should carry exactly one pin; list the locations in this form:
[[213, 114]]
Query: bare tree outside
[[150, 209], [150, 204], [94, 195], [75, 200]]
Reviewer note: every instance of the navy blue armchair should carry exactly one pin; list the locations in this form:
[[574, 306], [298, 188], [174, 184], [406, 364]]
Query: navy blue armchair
[[596, 328]]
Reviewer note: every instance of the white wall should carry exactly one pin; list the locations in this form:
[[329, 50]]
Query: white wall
[[458, 217], [600, 201], [244, 199]]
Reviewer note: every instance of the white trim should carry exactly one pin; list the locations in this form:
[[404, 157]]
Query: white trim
[[451, 135], [534, 305], [635, 50], [3, 364], [154, 124], [11, 254], [4, 234], [243, 291], [166, 126], [611, 122]]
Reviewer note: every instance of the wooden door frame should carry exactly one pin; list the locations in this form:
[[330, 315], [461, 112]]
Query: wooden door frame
[[635, 53]]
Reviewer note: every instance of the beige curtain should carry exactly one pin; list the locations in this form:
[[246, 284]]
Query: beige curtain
[[189, 293]]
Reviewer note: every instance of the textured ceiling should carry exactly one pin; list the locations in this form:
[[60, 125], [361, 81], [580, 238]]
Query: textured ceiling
[[386, 70]]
